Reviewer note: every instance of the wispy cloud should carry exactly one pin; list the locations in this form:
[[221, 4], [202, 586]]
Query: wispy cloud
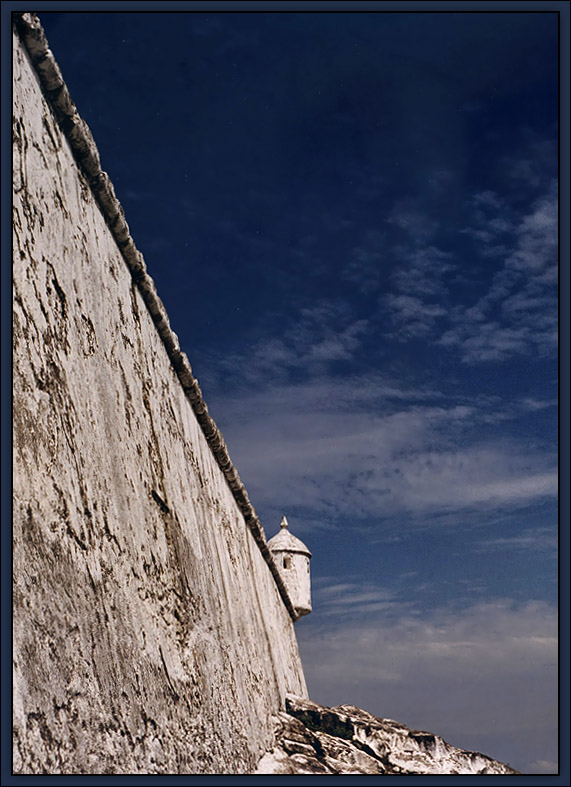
[[542, 766], [518, 313], [356, 448], [408, 216], [412, 316], [422, 271], [368, 263], [540, 538], [326, 333], [357, 598], [492, 293], [530, 166]]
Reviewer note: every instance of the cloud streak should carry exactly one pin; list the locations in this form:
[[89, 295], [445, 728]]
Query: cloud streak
[[324, 334], [518, 313], [487, 301], [540, 538], [356, 448]]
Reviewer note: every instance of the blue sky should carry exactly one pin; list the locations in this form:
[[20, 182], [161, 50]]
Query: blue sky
[[352, 221]]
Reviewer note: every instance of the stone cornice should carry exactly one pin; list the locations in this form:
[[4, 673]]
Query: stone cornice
[[86, 155]]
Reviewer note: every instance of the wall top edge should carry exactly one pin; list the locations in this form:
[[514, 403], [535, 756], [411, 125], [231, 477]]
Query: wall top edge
[[85, 152]]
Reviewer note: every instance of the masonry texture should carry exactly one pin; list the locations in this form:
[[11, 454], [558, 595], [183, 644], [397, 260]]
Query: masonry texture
[[150, 631]]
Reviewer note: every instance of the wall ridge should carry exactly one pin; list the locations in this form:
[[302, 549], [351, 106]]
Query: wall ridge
[[85, 152]]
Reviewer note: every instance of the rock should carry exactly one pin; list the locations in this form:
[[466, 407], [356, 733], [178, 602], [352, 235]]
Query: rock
[[312, 739]]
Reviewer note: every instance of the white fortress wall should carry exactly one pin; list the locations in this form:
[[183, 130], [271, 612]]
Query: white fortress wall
[[150, 634]]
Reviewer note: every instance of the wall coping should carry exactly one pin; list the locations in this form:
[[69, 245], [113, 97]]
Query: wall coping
[[85, 152]]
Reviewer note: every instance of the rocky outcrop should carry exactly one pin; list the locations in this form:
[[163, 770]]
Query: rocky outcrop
[[313, 739]]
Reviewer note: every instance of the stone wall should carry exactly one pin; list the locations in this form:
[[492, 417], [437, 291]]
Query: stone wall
[[150, 634]]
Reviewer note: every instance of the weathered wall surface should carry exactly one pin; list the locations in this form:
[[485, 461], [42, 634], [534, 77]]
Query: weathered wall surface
[[149, 633]]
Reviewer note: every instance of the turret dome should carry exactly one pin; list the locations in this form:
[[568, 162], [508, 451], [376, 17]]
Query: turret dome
[[284, 541]]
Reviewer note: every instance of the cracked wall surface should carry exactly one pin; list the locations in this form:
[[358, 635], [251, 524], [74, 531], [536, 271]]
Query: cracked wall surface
[[149, 633]]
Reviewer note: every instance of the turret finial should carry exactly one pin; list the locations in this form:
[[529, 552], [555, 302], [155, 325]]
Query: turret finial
[[284, 522]]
